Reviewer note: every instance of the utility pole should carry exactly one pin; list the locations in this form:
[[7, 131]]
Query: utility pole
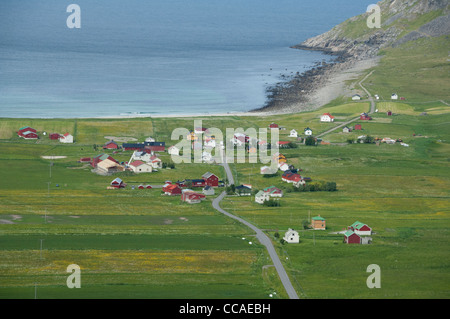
[[40, 254]]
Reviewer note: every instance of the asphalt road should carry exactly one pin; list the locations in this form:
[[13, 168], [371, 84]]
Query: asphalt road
[[260, 235]]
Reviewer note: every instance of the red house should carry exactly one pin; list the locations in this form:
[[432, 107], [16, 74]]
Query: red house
[[365, 117], [171, 189], [192, 197], [290, 177], [210, 180], [351, 238], [357, 127], [111, 145]]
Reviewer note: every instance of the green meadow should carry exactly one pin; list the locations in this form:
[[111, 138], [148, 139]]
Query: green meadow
[[132, 243]]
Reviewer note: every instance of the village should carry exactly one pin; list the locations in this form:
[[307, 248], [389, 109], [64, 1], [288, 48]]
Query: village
[[144, 159]]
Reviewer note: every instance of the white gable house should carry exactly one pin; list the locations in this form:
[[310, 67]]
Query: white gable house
[[66, 138], [293, 133], [291, 236]]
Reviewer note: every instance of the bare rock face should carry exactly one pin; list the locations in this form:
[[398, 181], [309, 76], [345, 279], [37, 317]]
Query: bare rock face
[[366, 45]]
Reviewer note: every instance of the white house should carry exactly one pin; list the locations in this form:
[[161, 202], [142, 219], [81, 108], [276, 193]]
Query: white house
[[394, 96], [356, 97], [291, 236], [155, 162], [261, 197], [173, 150], [141, 167], [377, 96], [283, 167], [326, 117], [346, 129], [150, 139], [66, 138], [308, 131], [140, 156], [293, 133]]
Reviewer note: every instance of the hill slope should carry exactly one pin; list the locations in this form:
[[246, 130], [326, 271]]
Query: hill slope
[[409, 54]]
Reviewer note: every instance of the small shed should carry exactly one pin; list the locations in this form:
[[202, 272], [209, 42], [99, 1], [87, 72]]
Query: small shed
[[357, 127], [54, 136]]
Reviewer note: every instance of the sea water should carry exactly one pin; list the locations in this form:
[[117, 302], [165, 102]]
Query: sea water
[[156, 57]]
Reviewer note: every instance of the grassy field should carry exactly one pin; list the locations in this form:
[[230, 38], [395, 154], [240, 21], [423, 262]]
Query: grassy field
[[140, 244]]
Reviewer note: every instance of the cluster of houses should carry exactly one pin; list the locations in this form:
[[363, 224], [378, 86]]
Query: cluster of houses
[[394, 96], [267, 193], [183, 188], [29, 133], [356, 127], [358, 233], [292, 236]]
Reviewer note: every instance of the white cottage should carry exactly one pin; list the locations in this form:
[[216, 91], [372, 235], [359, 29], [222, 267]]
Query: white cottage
[[394, 96], [327, 117], [356, 97], [293, 133], [308, 131], [291, 236]]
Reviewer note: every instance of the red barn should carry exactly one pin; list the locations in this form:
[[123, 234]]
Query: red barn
[[358, 127], [171, 189], [365, 117], [273, 125], [118, 183], [28, 135], [351, 238], [25, 129], [54, 136], [111, 145], [154, 147], [210, 179]]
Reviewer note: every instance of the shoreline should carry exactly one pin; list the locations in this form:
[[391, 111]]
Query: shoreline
[[318, 86]]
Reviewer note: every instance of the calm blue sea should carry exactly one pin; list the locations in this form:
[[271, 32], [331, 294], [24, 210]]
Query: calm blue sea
[[156, 56]]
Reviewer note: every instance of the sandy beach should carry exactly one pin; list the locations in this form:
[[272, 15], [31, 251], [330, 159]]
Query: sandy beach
[[326, 84]]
